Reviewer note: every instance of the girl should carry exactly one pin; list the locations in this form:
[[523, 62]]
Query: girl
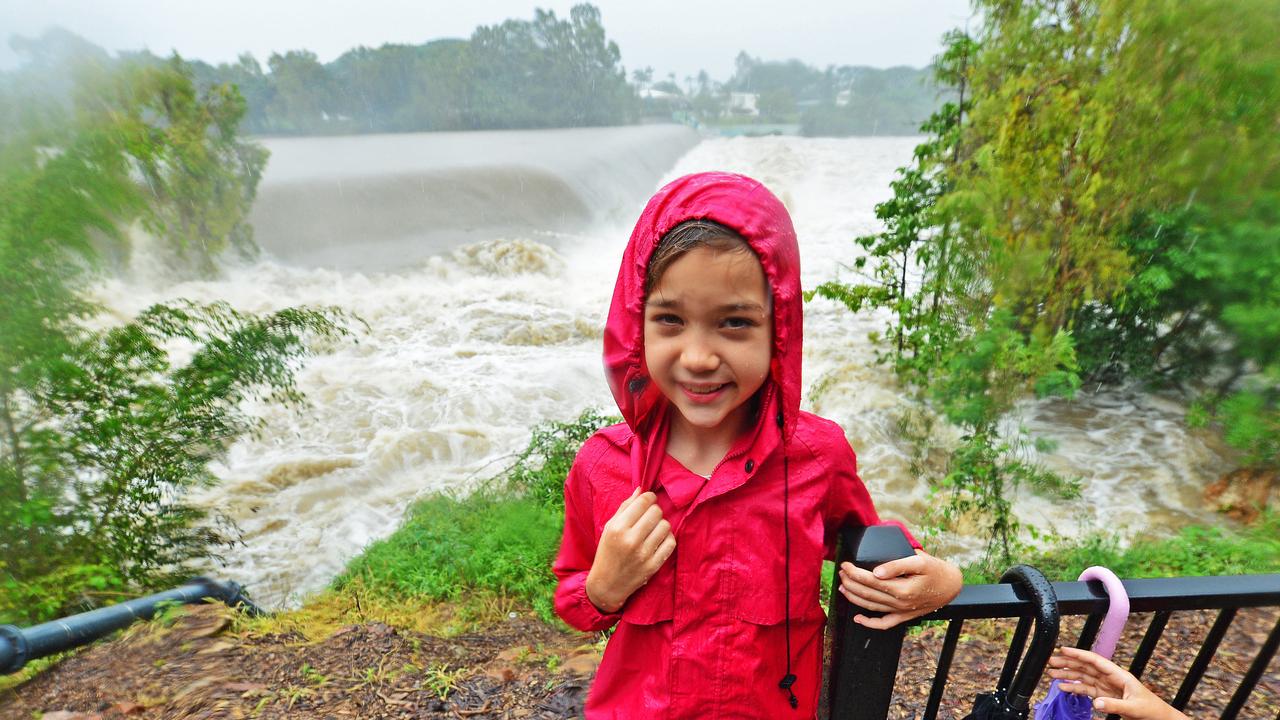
[[699, 525]]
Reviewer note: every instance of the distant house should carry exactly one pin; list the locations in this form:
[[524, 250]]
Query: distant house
[[844, 97], [661, 103], [741, 103], [660, 95]]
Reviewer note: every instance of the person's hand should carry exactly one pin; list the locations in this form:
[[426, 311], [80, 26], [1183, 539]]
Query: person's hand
[[1113, 689], [634, 544], [901, 589]]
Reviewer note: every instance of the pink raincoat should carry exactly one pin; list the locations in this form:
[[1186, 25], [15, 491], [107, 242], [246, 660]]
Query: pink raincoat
[[708, 636]]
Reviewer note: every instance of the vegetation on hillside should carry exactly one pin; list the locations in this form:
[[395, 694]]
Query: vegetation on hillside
[[104, 433], [1099, 205]]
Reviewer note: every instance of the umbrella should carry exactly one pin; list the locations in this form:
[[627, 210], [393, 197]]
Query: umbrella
[[1060, 705], [1012, 697]]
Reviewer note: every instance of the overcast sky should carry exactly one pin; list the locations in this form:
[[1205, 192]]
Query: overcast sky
[[680, 36]]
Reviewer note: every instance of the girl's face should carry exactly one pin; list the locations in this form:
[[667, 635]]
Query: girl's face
[[708, 334]]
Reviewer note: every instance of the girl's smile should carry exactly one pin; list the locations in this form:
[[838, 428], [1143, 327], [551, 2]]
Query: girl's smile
[[703, 394], [708, 334]]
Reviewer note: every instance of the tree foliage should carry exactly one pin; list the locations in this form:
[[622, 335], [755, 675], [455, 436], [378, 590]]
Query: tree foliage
[[545, 72], [1101, 204], [103, 433]]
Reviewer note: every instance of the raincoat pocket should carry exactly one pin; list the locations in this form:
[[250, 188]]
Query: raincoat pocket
[[760, 574], [654, 601]]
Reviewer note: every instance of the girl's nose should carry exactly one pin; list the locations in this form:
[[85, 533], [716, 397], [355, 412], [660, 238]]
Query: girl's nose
[[699, 357]]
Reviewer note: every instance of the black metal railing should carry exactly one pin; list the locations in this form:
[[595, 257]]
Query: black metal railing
[[18, 646], [863, 663]]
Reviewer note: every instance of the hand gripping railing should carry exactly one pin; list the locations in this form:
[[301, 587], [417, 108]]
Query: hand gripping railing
[[19, 646]]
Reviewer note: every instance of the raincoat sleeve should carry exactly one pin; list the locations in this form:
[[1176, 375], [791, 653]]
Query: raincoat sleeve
[[848, 502], [578, 550]]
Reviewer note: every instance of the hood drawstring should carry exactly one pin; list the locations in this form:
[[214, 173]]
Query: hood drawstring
[[789, 679]]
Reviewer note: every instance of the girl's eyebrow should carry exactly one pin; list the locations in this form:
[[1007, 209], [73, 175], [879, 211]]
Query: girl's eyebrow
[[728, 307]]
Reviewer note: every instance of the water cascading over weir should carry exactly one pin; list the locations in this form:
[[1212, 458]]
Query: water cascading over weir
[[379, 202]]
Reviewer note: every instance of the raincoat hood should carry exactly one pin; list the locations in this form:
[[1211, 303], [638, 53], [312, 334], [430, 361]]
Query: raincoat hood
[[746, 206]]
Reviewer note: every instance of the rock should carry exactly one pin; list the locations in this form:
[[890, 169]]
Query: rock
[[501, 674], [1243, 494], [246, 689], [515, 654], [126, 708], [344, 630], [197, 686], [70, 715], [581, 665], [217, 647]]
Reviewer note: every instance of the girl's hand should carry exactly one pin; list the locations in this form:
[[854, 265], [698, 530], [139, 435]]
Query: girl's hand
[[1113, 689], [901, 589], [635, 543]]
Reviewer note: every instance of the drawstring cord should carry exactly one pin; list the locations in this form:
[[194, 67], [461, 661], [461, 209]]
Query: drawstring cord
[[787, 680]]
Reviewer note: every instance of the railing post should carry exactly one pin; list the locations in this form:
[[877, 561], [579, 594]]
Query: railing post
[[862, 663]]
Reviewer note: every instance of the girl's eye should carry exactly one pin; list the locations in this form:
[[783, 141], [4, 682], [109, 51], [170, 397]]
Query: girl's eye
[[738, 323], [666, 319]]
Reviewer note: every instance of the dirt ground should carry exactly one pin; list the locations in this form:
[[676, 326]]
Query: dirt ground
[[196, 665]]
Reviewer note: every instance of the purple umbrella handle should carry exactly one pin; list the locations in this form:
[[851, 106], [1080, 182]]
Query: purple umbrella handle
[[1117, 610]]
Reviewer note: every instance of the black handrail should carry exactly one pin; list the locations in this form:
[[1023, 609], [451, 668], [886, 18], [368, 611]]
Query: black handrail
[[868, 670], [19, 646], [1145, 595]]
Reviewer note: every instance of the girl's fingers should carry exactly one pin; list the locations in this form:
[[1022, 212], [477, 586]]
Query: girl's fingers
[[628, 501], [1079, 688], [866, 604], [858, 576], [1094, 663], [664, 550], [660, 532], [913, 565], [1089, 657], [646, 523], [881, 623], [1069, 675], [632, 511], [1124, 708], [858, 593]]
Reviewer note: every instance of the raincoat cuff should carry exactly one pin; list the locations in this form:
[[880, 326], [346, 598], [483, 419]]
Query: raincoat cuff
[[915, 544], [590, 618]]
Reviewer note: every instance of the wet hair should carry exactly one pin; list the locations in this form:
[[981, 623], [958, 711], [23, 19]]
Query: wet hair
[[690, 235]]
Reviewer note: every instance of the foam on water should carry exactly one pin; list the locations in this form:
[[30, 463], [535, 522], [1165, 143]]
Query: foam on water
[[467, 350]]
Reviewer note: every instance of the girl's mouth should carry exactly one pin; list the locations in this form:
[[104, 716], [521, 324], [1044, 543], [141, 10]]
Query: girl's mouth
[[704, 393]]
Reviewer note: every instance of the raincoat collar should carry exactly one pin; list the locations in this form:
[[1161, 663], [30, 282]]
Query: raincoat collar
[[746, 206]]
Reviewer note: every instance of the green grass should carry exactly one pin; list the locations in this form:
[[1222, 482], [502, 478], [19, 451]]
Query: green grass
[[451, 548], [1195, 550], [498, 542]]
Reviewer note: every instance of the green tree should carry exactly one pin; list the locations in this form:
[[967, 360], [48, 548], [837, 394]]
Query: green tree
[[103, 433], [303, 100], [1101, 199], [548, 73]]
